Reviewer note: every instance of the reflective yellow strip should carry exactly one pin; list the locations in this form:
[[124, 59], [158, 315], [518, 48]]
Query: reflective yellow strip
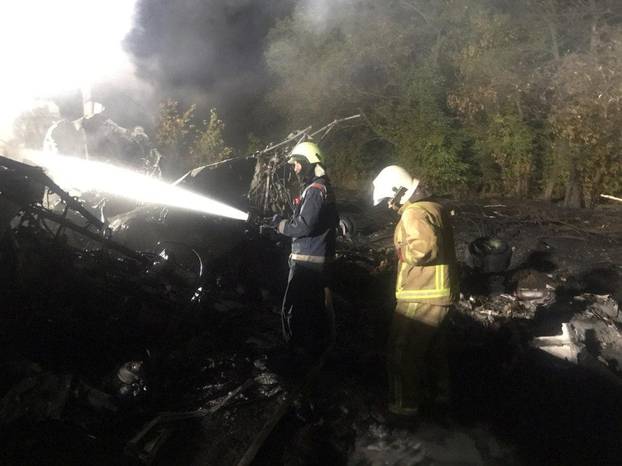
[[440, 276], [398, 285], [440, 289], [437, 280], [423, 294], [429, 293]]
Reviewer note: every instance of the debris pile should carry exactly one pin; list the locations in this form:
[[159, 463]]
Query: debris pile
[[155, 340]]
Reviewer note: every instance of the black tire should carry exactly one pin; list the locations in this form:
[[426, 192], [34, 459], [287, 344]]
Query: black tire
[[488, 255]]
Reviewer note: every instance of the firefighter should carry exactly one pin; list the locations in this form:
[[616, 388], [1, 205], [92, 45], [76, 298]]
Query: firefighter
[[307, 313], [65, 136], [418, 372]]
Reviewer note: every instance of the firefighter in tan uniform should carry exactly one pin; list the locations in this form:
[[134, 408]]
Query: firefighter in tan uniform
[[425, 289]]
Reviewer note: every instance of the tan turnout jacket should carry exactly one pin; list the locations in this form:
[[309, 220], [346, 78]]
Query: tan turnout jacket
[[424, 245]]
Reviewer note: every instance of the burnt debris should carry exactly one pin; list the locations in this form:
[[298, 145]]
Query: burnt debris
[[153, 337]]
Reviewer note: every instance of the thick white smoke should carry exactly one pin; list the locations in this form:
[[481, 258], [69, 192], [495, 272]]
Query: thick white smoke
[[48, 47]]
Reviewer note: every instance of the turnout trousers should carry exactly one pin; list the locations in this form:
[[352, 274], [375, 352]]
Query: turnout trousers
[[417, 365], [307, 315]]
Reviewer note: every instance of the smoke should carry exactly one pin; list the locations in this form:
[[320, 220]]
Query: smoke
[[324, 15], [205, 52], [210, 53], [136, 53], [49, 48]]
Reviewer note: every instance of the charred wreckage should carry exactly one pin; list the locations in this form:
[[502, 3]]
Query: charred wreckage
[[141, 334], [108, 319]]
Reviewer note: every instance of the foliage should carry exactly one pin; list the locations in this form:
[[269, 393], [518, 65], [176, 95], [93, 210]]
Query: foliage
[[209, 146], [254, 143], [356, 154], [341, 67], [186, 143], [509, 144], [587, 113], [174, 135], [516, 98], [503, 97]]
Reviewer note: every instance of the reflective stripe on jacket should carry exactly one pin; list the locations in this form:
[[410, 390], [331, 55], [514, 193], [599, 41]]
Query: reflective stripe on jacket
[[426, 258]]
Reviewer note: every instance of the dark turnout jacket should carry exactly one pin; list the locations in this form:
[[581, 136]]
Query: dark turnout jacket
[[313, 225]]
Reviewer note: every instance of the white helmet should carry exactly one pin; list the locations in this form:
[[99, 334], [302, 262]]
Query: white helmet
[[389, 182]]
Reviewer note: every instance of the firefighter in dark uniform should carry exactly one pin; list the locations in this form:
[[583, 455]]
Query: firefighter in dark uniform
[[307, 314]]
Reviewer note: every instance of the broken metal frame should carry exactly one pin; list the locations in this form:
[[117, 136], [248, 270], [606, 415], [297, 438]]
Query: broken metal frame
[[270, 190], [301, 135], [37, 174], [36, 209], [145, 444], [146, 450], [84, 231]]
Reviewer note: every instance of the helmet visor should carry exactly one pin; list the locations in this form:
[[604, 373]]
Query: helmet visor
[[380, 195], [296, 158]]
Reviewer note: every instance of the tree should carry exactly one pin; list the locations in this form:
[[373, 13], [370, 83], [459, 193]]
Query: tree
[[511, 97], [254, 143], [362, 58], [209, 146], [174, 136], [586, 104], [187, 144], [495, 96], [587, 117]]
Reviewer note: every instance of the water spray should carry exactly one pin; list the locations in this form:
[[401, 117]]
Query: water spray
[[72, 173]]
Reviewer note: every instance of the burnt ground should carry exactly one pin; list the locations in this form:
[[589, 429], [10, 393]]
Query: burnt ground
[[512, 403]]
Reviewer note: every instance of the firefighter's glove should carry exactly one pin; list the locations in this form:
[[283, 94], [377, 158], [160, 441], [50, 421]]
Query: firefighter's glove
[[268, 232], [270, 227], [276, 219]]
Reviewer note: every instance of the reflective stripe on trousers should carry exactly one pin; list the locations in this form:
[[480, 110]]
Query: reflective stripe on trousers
[[307, 258]]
